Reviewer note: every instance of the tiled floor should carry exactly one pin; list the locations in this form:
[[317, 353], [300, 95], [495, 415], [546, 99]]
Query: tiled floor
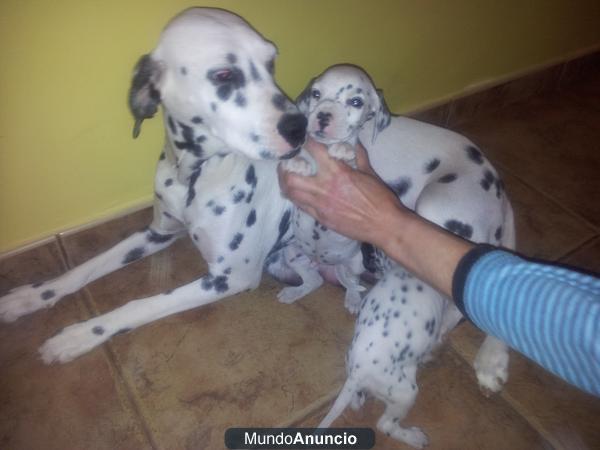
[[250, 361]]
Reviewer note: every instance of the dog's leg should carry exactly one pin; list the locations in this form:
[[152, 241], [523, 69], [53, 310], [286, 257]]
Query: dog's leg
[[29, 298], [82, 337], [491, 365], [303, 266], [397, 407], [348, 274]]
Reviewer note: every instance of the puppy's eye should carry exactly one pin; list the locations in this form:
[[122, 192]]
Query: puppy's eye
[[222, 76], [356, 102], [316, 94]]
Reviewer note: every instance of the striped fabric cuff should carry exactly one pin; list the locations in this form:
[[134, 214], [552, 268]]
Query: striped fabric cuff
[[462, 272]]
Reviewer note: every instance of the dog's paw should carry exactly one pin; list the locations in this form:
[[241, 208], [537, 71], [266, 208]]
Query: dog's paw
[[291, 293], [352, 300], [297, 165], [72, 341], [413, 436], [342, 151], [491, 365], [25, 300], [358, 400]]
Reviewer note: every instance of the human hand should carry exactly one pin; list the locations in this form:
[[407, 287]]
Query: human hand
[[355, 203]]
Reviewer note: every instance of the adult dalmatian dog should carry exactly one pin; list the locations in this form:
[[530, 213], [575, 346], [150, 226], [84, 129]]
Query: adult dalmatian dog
[[440, 175], [227, 125]]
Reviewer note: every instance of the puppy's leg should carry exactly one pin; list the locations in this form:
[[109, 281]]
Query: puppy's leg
[[304, 267], [82, 337], [491, 365], [29, 298], [348, 275], [398, 405]]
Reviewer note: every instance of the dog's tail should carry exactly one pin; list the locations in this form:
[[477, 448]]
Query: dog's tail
[[341, 402]]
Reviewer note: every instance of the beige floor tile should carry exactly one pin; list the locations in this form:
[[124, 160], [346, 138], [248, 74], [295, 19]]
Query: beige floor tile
[[79, 405], [450, 410], [245, 361]]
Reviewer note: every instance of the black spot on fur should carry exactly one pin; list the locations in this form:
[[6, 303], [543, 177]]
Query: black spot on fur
[[251, 220], [240, 100], [157, 238], [474, 155], [462, 229], [172, 125], [499, 187], [189, 142], [279, 101], [231, 58], [191, 187], [254, 137], [315, 235], [236, 241], [218, 210], [498, 234], [432, 165], [251, 176], [183, 70], [37, 285], [369, 259], [224, 92], [254, 72], [197, 120], [47, 295], [133, 255], [238, 196], [284, 224], [162, 156], [401, 186], [99, 331], [213, 106], [123, 330], [168, 182], [448, 178], [488, 180]]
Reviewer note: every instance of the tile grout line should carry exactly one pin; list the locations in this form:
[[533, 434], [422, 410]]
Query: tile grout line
[[587, 243], [89, 306]]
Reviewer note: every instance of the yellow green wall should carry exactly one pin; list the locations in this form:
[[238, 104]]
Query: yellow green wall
[[66, 153]]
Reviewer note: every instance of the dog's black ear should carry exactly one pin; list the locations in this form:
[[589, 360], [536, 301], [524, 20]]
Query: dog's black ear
[[144, 94], [303, 100]]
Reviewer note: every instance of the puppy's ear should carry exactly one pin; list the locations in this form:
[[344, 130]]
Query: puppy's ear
[[380, 113], [144, 94], [303, 100]]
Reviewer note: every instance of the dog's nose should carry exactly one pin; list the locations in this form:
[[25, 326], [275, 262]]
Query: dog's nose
[[293, 128], [323, 119]]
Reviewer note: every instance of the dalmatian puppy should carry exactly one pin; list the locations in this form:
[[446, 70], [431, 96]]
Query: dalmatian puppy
[[446, 179], [316, 250], [227, 124], [401, 321], [335, 121]]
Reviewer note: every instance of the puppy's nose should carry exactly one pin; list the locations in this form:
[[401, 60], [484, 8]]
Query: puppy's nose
[[293, 128], [323, 118]]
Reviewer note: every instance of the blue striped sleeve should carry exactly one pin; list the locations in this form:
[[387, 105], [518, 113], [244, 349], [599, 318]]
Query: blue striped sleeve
[[549, 313]]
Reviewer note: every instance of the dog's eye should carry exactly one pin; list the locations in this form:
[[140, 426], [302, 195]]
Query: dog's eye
[[357, 102], [222, 76], [316, 94]]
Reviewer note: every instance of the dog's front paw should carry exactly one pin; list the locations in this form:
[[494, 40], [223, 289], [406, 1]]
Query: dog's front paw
[[491, 365], [72, 341], [297, 165], [342, 151], [292, 293], [352, 300], [414, 437], [25, 300]]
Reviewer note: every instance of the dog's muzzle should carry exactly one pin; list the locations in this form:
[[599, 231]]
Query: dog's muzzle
[[293, 128], [290, 155]]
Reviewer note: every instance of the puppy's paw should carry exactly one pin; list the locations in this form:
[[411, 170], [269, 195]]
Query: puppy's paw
[[73, 341], [342, 151], [25, 300], [297, 165]]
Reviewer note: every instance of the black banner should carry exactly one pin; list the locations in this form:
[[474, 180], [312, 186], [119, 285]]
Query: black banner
[[299, 438]]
